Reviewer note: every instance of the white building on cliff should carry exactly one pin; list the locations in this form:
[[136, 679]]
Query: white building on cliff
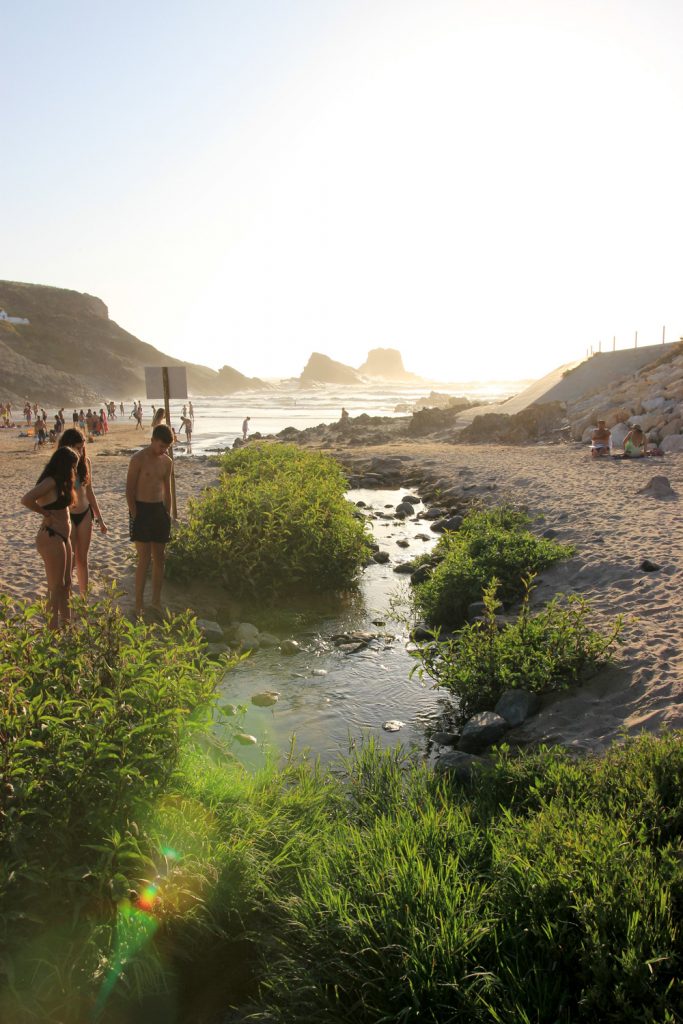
[[13, 319]]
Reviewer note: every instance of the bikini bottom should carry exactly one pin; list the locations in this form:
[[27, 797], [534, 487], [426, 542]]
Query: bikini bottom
[[78, 517], [55, 533]]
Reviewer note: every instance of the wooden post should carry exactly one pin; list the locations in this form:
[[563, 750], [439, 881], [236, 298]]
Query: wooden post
[[636, 341], [614, 342], [663, 333], [167, 408]]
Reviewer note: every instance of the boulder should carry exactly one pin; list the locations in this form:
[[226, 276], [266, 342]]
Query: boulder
[[482, 730], [650, 404], [515, 706], [658, 487], [453, 523], [405, 508], [381, 557], [265, 699], [672, 443], [619, 414], [671, 426], [405, 567], [216, 651], [211, 631], [445, 739], [619, 432], [459, 764], [248, 635], [289, 647], [422, 573], [268, 640], [475, 610]]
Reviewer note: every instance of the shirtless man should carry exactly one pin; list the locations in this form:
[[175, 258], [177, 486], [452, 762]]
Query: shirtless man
[[148, 494], [600, 441]]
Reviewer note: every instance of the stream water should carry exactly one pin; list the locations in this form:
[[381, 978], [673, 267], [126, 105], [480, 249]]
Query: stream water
[[330, 698]]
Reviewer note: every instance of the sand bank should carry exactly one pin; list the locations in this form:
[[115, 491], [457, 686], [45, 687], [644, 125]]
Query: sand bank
[[593, 504]]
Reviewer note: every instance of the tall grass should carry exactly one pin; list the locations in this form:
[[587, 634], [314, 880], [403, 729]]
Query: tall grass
[[277, 520], [144, 878]]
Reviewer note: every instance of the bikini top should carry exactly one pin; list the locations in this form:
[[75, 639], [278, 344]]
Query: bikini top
[[58, 504]]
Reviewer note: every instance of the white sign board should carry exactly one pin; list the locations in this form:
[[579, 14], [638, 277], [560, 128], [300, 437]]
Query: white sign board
[[177, 381]]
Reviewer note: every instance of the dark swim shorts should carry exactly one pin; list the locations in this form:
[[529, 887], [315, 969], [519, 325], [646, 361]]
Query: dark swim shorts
[[152, 523]]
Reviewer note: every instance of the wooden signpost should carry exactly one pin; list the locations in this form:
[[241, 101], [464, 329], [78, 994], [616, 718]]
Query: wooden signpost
[[167, 382]]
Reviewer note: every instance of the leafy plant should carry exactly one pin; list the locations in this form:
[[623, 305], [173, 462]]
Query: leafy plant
[[92, 723], [276, 521], [490, 543], [541, 652]]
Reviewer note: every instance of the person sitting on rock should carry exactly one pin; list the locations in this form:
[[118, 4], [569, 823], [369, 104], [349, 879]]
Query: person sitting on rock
[[601, 441], [635, 443]]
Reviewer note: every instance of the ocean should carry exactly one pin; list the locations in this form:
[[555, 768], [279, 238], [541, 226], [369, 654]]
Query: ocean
[[218, 421]]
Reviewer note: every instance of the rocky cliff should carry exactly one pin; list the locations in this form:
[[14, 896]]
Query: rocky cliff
[[71, 352], [652, 397]]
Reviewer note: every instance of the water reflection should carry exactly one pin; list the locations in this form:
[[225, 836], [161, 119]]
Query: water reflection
[[330, 695]]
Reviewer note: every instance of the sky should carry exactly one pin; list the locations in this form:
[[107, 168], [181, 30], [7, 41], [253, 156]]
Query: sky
[[494, 187]]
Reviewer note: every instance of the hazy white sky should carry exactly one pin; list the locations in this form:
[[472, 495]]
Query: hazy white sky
[[491, 186]]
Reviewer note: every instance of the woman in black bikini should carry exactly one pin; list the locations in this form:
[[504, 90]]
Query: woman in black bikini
[[85, 511], [50, 498]]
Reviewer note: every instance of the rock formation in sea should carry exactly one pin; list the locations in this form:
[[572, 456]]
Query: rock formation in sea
[[324, 370], [387, 363]]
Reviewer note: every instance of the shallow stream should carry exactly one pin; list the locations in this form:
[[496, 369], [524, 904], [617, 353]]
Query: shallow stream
[[331, 697]]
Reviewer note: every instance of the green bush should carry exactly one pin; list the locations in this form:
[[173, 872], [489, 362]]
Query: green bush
[[541, 652], [92, 722], [277, 521], [490, 543]]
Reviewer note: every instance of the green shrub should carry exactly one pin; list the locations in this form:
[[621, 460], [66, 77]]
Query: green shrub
[[490, 543], [92, 722], [278, 520], [541, 652]]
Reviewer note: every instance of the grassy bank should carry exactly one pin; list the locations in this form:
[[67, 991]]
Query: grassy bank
[[146, 876]]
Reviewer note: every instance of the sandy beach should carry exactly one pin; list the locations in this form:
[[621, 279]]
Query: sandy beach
[[111, 555], [593, 504]]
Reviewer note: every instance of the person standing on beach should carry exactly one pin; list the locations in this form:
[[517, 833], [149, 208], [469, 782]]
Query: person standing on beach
[[245, 428], [191, 411], [51, 497], [186, 425], [85, 510], [148, 494]]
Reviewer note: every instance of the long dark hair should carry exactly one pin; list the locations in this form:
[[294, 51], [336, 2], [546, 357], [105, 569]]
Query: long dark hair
[[62, 469], [69, 438]]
